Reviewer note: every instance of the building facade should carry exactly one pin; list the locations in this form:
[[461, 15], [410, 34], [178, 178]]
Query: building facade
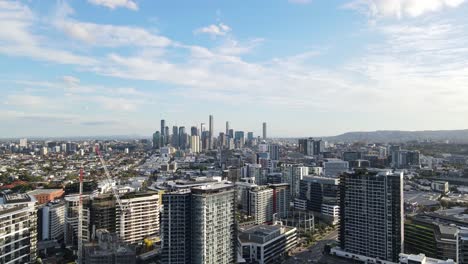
[[371, 214]]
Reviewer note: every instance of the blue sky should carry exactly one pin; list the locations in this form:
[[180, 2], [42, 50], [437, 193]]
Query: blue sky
[[306, 67]]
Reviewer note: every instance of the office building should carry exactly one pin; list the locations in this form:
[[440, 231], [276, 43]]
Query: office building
[[182, 138], [194, 131], [166, 137], [250, 136], [157, 140], [175, 136], [264, 244], [227, 128], [221, 140], [274, 150], [23, 143], [264, 131], [141, 219], [51, 221], [371, 214], [320, 195], [163, 134], [403, 159], [311, 147], [211, 133], [18, 228], [334, 167], [435, 240]]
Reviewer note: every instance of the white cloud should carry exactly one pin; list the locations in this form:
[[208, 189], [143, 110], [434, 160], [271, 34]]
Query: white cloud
[[113, 4], [401, 8], [214, 30], [110, 35], [17, 39], [234, 47], [70, 80], [25, 100]]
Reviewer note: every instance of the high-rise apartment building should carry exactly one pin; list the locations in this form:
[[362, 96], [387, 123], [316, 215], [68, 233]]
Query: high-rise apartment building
[[195, 144], [141, 218], [198, 224], [18, 228], [51, 221], [281, 199], [293, 174], [371, 214], [71, 219], [264, 130], [261, 204], [176, 231], [214, 224]]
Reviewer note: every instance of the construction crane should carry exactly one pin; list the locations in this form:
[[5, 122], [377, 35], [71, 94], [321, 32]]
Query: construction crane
[[124, 209]]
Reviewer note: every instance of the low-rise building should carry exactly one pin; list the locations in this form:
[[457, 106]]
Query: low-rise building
[[44, 196], [264, 244]]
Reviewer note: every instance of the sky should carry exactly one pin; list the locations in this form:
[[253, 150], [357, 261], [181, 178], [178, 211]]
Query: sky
[[306, 67]]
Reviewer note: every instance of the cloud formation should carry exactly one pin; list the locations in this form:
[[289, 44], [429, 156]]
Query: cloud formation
[[214, 30], [401, 8], [113, 4]]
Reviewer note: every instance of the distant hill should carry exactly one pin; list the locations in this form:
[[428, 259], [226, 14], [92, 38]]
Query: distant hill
[[384, 136]]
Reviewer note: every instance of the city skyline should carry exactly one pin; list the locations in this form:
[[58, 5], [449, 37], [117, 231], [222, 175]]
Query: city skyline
[[109, 67]]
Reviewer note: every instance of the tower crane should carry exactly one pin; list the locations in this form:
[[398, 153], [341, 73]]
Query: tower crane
[[124, 208]]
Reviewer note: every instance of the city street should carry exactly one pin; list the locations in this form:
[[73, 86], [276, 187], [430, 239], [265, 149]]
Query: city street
[[315, 252]]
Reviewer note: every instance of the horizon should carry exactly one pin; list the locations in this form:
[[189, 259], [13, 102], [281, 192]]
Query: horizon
[[305, 67]]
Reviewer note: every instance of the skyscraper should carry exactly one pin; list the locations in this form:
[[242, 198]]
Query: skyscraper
[[264, 130], [210, 140], [182, 137], [227, 128], [175, 136], [166, 136], [194, 131], [157, 140], [371, 214], [163, 133]]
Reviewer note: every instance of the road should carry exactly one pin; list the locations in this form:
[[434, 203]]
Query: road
[[315, 252]]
